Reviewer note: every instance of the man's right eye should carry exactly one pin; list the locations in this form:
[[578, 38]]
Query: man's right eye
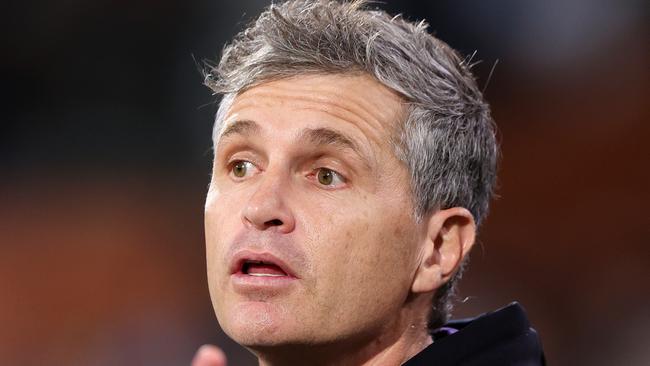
[[242, 168]]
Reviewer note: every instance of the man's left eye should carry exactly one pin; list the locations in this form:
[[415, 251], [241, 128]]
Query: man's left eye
[[328, 177]]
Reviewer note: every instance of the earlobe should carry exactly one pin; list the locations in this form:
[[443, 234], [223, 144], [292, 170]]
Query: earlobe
[[450, 237]]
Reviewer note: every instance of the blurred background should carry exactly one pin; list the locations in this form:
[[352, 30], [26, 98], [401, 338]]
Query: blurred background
[[105, 160]]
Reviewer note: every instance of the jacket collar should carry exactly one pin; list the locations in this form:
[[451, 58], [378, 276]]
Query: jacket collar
[[502, 337]]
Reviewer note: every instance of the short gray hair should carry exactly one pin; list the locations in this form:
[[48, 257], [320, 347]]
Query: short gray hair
[[448, 138]]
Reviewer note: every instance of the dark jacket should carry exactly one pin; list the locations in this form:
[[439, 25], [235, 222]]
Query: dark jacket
[[502, 337]]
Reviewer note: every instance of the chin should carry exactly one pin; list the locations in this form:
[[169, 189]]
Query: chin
[[259, 324]]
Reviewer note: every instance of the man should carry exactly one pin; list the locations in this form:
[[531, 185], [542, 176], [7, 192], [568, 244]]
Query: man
[[354, 161]]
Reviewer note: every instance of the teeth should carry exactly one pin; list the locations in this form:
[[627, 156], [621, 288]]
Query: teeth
[[265, 275]]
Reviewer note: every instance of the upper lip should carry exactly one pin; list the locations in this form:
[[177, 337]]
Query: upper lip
[[241, 257]]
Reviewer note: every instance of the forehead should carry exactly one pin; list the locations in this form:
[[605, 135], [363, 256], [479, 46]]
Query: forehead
[[358, 104]]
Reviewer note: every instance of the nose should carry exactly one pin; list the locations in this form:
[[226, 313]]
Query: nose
[[267, 208]]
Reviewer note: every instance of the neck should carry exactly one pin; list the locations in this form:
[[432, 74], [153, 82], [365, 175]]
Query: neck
[[394, 344]]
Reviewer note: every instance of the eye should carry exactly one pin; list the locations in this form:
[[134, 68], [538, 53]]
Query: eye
[[242, 168], [328, 177]]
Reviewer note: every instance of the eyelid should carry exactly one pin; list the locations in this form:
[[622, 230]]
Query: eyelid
[[233, 150], [237, 156]]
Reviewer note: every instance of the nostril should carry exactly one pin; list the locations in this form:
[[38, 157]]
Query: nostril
[[274, 222]]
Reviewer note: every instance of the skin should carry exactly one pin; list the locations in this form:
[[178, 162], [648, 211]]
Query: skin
[[365, 270]]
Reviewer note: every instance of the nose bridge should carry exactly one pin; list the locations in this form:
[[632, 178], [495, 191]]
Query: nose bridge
[[267, 207]]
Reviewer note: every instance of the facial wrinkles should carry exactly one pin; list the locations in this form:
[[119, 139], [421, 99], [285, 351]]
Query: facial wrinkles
[[365, 115], [294, 143], [374, 114], [372, 110], [374, 128]]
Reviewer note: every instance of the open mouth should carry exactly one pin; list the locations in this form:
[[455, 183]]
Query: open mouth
[[254, 266], [262, 269]]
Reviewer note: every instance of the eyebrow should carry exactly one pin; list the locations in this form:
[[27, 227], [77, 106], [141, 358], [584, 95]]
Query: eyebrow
[[327, 136], [321, 136], [240, 127], [324, 136]]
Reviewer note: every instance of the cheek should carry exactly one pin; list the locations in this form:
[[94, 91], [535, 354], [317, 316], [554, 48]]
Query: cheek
[[212, 228], [380, 258], [221, 218], [218, 226], [364, 255]]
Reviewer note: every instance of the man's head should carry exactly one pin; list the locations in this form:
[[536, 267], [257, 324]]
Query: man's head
[[354, 151]]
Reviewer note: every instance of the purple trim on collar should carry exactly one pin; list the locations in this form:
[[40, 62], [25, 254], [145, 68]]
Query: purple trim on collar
[[443, 332]]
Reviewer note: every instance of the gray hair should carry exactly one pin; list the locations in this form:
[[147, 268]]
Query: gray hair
[[448, 139]]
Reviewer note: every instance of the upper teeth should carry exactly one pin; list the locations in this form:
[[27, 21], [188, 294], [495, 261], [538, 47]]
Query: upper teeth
[[265, 275]]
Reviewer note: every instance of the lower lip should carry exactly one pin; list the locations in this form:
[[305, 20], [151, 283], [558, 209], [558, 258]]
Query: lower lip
[[247, 283]]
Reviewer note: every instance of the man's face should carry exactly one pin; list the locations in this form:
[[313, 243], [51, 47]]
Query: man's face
[[309, 232]]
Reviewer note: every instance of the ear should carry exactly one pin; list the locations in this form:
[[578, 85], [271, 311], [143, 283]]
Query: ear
[[450, 237]]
